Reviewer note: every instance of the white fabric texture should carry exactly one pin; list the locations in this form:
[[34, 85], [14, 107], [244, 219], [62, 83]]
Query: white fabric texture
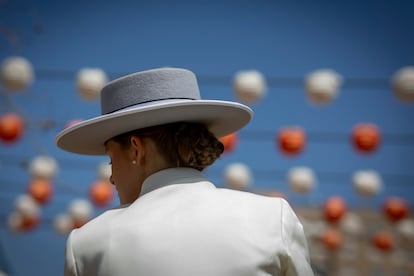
[[183, 225]]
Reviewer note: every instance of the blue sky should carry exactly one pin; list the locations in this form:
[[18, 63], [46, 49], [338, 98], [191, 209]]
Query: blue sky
[[362, 40]]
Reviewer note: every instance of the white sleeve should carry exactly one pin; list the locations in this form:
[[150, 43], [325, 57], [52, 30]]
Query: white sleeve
[[297, 261], [70, 261]]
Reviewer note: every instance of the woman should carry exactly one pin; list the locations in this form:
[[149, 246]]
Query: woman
[[160, 135]]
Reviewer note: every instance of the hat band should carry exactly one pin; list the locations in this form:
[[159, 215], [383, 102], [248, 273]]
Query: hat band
[[146, 103]]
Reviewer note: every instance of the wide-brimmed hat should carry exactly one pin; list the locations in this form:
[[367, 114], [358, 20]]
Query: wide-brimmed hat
[[151, 98]]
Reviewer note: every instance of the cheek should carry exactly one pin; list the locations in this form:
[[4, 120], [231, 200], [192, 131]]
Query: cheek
[[116, 173], [120, 171]]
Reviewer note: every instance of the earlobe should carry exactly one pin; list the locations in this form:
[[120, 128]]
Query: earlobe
[[137, 145]]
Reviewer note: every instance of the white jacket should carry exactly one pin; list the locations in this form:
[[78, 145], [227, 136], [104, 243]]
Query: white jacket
[[181, 225]]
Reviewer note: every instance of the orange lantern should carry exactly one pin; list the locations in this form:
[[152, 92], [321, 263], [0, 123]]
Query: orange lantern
[[101, 193], [334, 209], [366, 138], [332, 239], [383, 241], [291, 141], [41, 190], [395, 209], [11, 127], [229, 142]]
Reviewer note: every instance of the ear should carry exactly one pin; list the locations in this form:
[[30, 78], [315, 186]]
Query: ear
[[137, 149]]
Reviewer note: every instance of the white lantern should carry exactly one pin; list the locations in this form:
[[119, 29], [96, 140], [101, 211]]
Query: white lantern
[[403, 84], [63, 224], [405, 229], [322, 86], [27, 207], [73, 122], [89, 82], [301, 179], [16, 73], [104, 172], [14, 221], [249, 86], [238, 176], [367, 182], [43, 167], [352, 224], [80, 210]]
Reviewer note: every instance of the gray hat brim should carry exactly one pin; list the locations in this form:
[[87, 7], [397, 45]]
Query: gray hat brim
[[88, 137]]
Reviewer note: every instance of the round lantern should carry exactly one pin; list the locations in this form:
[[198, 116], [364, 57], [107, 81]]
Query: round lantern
[[366, 138], [367, 182], [301, 179], [11, 127], [334, 209], [229, 142], [41, 190], [291, 141], [405, 229], [332, 239], [14, 221], [27, 206], [89, 82], [249, 86], [395, 209], [104, 171], [238, 176], [43, 167], [403, 84], [276, 194], [18, 223], [352, 224], [383, 241], [101, 193], [63, 224], [27, 214], [73, 122], [80, 211], [322, 86], [16, 73]]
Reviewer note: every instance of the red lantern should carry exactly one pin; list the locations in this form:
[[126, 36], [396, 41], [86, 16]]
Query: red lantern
[[334, 209], [229, 142], [395, 209], [11, 127], [383, 241], [366, 138], [41, 190], [332, 239], [291, 141], [29, 224], [19, 223], [101, 193], [78, 224]]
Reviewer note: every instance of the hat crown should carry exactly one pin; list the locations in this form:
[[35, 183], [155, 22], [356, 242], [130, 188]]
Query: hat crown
[[148, 86]]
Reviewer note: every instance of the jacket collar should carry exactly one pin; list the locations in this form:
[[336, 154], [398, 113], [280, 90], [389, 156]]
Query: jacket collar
[[171, 176]]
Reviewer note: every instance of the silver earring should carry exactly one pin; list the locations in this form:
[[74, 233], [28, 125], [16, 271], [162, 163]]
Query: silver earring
[[134, 162]]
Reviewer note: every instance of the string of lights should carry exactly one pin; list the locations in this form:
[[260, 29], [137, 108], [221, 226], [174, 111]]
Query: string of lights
[[222, 80]]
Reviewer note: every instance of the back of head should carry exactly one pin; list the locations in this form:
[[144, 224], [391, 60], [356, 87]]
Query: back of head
[[182, 144]]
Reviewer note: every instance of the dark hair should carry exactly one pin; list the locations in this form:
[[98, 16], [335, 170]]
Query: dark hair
[[182, 144]]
